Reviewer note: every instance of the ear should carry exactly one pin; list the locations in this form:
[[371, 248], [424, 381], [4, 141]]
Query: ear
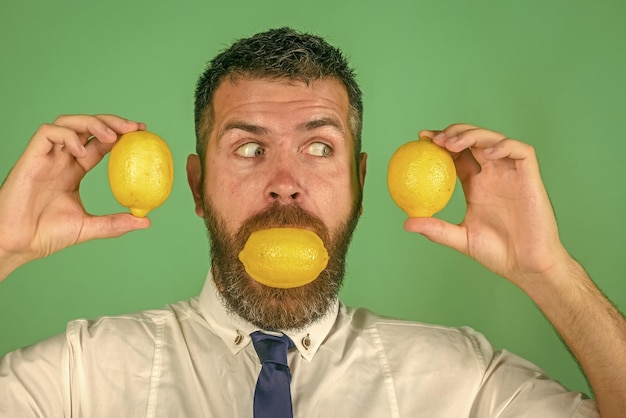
[[194, 178], [362, 170]]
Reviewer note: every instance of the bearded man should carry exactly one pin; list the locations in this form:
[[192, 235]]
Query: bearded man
[[278, 125]]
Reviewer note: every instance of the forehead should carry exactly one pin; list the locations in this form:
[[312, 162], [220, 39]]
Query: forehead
[[242, 94]]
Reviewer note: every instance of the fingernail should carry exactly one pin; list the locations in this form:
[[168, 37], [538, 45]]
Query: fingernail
[[111, 131], [439, 136], [453, 139], [489, 150]]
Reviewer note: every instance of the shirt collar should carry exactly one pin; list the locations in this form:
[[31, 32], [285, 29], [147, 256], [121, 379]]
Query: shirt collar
[[235, 331]]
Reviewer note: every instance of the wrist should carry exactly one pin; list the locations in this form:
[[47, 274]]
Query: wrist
[[563, 289]]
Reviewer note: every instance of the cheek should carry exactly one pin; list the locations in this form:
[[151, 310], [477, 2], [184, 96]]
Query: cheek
[[232, 197], [219, 182], [334, 198]]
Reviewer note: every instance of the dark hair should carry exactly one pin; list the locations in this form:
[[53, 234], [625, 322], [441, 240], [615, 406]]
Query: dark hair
[[277, 53]]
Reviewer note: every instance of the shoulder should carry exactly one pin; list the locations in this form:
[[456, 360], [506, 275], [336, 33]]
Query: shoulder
[[462, 345], [138, 329]]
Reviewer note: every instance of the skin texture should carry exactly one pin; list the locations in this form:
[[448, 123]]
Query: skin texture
[[260, 157], [509, 226], [288, 120]]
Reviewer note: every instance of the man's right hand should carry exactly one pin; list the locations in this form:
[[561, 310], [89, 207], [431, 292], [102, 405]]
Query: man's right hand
[[40, 207]]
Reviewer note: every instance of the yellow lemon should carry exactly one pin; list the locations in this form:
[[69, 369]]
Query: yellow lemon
[[284, 257], [141, 171], [421, 178]]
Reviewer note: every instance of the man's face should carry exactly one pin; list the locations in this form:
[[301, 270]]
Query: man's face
[[280, 153]]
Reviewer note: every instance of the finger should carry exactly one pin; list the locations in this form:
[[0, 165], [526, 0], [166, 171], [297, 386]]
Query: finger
[[455, 138], [98, 132], [466, 164], [111, 226], [457, 128], [121, 125], [451, 130], [48, 136], [520, 155], [103, 127], [96, 149], [439, 231], [427, 133], [440, 136], [480, 141], [71, 133], [459, 137], [86, 126], [504, 154], [509, 148]]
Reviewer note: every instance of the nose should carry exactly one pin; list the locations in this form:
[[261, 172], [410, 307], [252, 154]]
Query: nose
[[285, 183]]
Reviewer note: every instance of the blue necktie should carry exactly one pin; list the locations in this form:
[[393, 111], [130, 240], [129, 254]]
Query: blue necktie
[[272, 396]]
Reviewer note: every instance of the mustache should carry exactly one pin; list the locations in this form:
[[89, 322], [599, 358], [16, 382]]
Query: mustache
[[283, 215]]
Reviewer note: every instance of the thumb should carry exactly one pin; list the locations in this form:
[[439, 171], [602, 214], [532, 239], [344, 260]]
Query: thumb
[[111, 226], [439, 231]]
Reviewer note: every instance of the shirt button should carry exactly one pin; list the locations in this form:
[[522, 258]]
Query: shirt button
[[306, 342]]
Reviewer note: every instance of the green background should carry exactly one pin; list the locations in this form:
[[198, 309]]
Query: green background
[[548, 72]]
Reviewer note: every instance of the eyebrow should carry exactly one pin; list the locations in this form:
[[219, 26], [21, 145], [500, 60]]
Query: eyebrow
[[320, 123], [310, 125], [247, 127]]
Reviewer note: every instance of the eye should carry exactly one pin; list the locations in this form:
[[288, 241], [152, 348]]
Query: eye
[[250, 150], [319, 149]]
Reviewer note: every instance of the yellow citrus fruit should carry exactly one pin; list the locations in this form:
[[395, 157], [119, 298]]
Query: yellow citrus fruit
[[141, 171], [284, 257], [421, 178]]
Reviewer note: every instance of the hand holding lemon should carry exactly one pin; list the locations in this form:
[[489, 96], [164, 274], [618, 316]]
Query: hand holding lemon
[[41, 211], [141, 171]]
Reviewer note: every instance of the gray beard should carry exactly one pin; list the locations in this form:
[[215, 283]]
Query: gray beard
[[269, 308]]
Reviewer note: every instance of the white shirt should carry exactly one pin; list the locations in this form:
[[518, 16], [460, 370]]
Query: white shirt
[[193, 359]]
